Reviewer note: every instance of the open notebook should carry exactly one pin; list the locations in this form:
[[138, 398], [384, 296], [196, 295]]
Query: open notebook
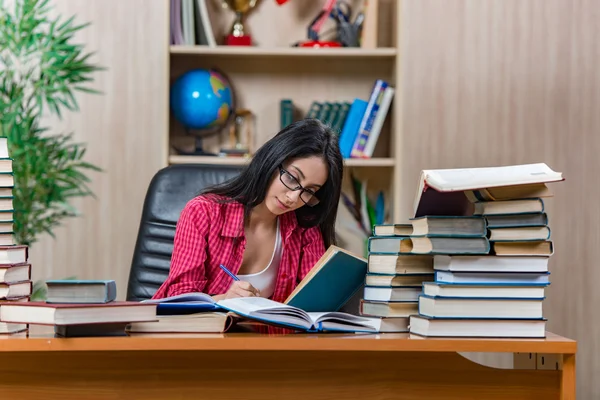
[[279, 314]]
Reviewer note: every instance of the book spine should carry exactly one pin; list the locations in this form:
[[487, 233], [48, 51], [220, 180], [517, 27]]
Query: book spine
[[366, 124], [378, 123]]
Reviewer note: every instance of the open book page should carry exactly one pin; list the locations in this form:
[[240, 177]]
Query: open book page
[[268, 311], [339, 321], [477, 178]]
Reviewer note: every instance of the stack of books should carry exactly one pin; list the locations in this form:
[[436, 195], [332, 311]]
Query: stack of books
[[498, 288], [394, 279], [15, 271], [80, 308]]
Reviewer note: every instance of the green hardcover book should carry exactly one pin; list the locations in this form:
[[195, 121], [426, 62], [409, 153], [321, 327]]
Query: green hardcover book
[[324, 112], [314, 110], [338, 123], [286, 110], [335, 109]]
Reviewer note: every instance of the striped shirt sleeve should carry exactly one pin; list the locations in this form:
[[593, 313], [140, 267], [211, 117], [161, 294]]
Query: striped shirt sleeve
[[312, 250], [188, 272]]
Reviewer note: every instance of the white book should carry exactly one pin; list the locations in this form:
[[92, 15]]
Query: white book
[[444, 307], [450, 191], [386, 100], [490, 263], [438, 289], [431, 327]]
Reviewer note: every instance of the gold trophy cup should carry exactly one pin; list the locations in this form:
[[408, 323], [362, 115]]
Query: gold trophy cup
[[237, 36]]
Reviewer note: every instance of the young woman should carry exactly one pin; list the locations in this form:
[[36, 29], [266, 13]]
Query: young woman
[[268, 226]]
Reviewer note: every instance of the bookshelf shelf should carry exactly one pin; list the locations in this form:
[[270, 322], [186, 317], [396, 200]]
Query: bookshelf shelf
[[245, 51], [351, 162], [272, 70]]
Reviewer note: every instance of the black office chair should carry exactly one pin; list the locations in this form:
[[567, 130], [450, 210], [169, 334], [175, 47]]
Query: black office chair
[[169, 191]]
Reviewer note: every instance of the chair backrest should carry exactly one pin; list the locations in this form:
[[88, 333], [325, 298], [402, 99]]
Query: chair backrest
[[169, 191]]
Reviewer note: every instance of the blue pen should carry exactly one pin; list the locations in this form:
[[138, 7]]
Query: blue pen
[[228, 272]]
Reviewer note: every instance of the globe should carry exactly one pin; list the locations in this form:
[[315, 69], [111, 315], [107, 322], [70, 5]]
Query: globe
[[201, 99]]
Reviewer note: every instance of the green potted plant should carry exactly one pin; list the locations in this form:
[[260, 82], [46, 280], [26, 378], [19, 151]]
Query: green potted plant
[[40, 71]]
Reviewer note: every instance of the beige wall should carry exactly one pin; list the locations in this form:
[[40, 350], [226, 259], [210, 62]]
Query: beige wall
[[124, 130], [516, 81]]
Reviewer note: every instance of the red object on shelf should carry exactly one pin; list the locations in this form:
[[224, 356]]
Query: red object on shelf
[[280, 2], [231, 40], [319, 43]]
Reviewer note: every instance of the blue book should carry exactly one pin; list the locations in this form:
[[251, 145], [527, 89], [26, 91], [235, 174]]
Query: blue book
[[332, 282], [78, 291], [493, 278], [186, 303], [351, 127]]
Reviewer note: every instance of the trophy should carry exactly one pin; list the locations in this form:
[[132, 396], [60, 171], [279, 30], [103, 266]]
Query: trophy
[[237, 36], [241, 135]]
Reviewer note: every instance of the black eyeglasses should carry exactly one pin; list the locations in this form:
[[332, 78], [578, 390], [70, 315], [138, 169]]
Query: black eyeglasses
[[307, 196]]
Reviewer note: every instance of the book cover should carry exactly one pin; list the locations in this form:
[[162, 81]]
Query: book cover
[[332, 282]]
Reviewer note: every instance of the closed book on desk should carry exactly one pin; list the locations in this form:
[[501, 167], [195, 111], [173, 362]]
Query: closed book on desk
[[279, 314], [204, 322], [461, 327], [81, 291], [72, 314], [336, 277]]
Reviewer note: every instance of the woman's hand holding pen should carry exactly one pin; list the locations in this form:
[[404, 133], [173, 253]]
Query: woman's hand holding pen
[[241, 289], [238, 289]]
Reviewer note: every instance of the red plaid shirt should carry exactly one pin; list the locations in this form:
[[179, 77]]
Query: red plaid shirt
[[204, 239]]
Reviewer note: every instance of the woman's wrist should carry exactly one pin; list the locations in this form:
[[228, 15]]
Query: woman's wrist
[[218, 297]]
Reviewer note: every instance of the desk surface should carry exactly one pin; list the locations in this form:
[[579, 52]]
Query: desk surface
[[41, 338]]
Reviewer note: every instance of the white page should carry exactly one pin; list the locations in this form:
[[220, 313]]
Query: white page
[[475, 178]]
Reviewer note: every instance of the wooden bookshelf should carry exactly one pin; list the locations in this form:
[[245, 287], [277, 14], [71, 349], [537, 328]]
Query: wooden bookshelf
[[352, 162], [273, 69], [243, 51]]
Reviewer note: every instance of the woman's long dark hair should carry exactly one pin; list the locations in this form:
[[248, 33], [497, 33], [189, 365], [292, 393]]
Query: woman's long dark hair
[[304, 138]]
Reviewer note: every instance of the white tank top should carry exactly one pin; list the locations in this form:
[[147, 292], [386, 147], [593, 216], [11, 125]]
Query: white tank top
[[265, 279]]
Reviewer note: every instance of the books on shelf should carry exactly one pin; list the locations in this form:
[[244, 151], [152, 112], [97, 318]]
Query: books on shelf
[[358, 122], [365, 120], [190, 23]]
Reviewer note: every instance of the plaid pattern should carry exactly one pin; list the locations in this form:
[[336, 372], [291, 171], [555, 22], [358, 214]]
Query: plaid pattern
[[209, 233]]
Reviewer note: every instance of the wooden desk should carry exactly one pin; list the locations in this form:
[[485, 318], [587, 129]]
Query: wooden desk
[[252, 366]]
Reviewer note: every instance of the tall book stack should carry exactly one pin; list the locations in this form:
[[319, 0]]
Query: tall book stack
[[394, 279], [497, 292], [15, 271]]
